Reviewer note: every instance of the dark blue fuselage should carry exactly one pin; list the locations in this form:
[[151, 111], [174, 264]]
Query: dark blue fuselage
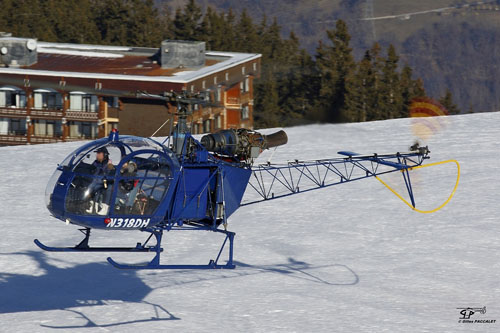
[[144, 185]]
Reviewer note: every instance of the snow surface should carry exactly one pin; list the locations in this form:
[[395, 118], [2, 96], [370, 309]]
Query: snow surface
[[351, 258]]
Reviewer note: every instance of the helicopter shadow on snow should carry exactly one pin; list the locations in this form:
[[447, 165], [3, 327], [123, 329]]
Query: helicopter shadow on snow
[[99, 284], [326, 274], [74, 288], [305, 271]]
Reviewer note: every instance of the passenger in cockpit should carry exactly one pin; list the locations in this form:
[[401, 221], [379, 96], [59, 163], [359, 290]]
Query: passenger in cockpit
[[128, 187]]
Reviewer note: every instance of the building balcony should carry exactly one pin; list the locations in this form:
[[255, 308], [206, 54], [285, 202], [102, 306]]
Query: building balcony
[[13, 139], [80, 138], [45, 139], [46, 113], [233, 103], [12, 112], [233, 100], [53, 114], [82, 115], [245, 98], [113, 113], [237, 102]]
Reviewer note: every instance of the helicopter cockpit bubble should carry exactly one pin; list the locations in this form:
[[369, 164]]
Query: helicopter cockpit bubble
[[113, 177]]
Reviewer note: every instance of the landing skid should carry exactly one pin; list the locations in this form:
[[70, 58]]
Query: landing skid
[[211, 265], [83, 246], [155, 263]]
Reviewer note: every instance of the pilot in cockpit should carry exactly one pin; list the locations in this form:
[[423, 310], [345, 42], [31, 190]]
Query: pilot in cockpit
[[102, 163], [100, 188]]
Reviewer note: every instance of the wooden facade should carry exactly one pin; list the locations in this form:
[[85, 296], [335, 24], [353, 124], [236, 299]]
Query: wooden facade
[[48, 102]]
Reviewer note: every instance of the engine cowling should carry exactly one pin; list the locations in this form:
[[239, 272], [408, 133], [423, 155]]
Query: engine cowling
[[242, 143]]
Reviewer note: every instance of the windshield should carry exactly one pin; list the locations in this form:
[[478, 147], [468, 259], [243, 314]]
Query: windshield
[[127, 176]]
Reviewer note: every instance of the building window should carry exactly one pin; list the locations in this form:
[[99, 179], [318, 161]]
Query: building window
[[254, 66], [192, 88], [215, 79], [244, 85], [75, 102], [47, 128], [243, 70], [206, 126], [83, 102], [12, 98], [112, 101], [17, 127], [4, 126], [82, 130], [227, 76], [203, 84], [89, 103], [245, 112], [218, 122], [47, 100], [87, 130], [217, 94]]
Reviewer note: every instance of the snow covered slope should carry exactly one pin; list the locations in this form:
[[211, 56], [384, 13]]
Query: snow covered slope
[[351, 258]]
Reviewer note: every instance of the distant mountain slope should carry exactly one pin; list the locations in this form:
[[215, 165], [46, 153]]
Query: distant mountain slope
[[450, 43]]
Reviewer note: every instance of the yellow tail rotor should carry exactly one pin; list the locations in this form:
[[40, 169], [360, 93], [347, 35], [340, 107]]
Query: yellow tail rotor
[[425, 166]]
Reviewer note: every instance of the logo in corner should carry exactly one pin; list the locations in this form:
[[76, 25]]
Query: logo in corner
[[468, 312]]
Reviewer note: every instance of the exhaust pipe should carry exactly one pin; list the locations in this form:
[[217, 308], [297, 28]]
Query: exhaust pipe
[[275, 140]]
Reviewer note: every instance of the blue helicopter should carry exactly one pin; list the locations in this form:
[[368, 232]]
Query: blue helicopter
[[135, 183]]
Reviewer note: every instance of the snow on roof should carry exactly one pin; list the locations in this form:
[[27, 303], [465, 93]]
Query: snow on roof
[[83, 46], [225, 61], [77, 52]]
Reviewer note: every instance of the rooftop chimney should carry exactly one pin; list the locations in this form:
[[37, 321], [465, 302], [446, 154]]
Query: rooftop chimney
[[181, 53], [15, 52]]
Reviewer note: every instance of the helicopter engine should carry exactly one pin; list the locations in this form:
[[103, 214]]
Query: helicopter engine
[[242, 142]]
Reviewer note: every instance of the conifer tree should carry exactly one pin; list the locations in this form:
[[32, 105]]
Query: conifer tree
[[295, 83], [293, 87], [335, 63], [376, 111], [166, 23], [360, 95], [186, 22], [246, 39], [229, 34], [112, 21], [471, 109], [390, 93], [407, 93], [418, 88], [144, 24], [447, 102], [266, 106]]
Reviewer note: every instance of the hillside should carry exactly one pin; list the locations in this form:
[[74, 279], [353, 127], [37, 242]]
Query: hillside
[[450, 45], [351, 258]]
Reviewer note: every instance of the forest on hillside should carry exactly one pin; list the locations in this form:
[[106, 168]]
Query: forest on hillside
[[451, 44], [295, 87]]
